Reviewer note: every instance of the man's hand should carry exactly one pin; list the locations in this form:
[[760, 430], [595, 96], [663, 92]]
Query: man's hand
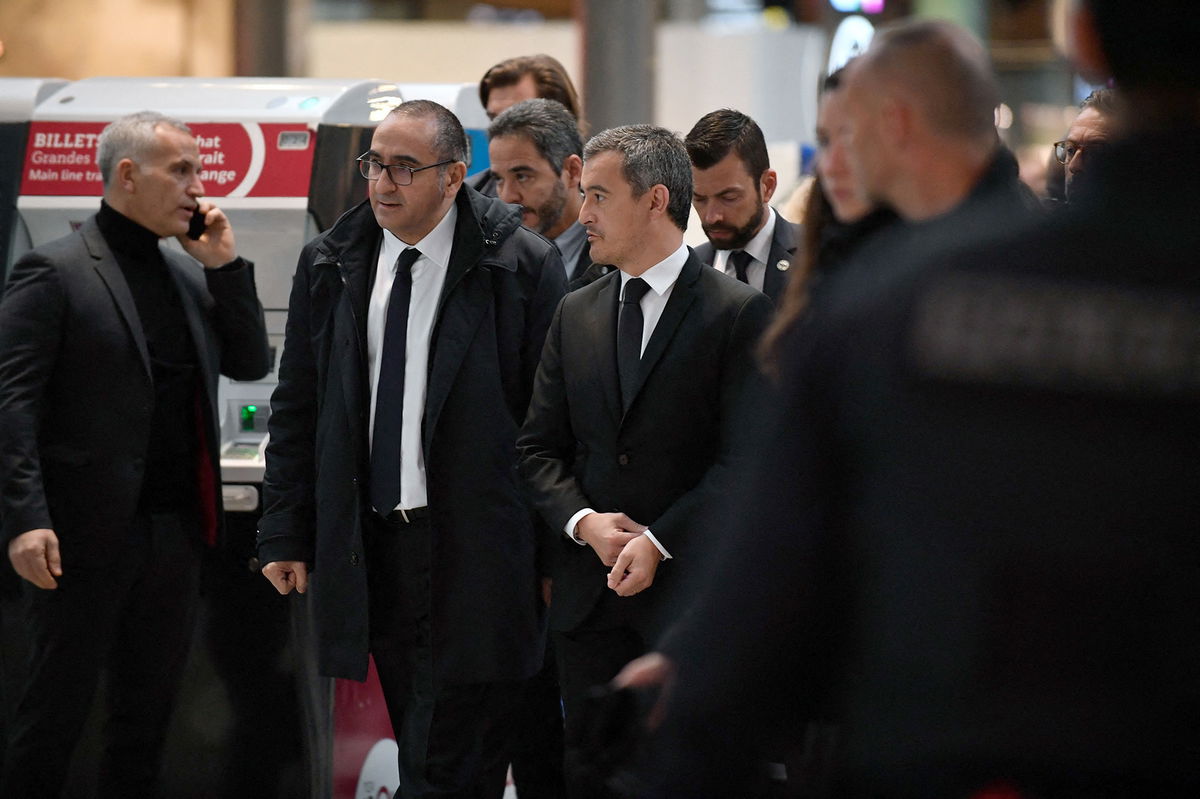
[[286, 575], [215, 247], [634, 569], [547, 590], [607, 534], [34, 555], [652, 670]]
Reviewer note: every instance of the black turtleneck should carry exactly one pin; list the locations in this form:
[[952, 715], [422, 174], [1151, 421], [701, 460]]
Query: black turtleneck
[[170, 481]]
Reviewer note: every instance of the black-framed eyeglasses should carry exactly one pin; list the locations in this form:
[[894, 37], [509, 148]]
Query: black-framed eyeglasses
[[1066, 150], [400, 174]]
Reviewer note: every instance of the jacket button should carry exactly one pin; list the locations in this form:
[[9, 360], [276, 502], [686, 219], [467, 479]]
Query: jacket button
[[353, 558], [623, 459]]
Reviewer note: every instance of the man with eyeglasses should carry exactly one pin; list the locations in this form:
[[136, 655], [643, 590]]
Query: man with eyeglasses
[[414, 330], [1088, 137]]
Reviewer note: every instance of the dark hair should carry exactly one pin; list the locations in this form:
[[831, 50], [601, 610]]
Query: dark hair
[[545, 123], [1103, 100], [946, 66], [653, 156], [450, 142], [549, 76], [719, 132], [1150, 45]]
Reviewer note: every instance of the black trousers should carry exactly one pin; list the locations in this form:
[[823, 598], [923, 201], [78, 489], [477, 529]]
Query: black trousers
[[132, 615], [449, 735], [590, 656]]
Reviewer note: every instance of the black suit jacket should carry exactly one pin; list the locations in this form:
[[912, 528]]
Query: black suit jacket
[[660, 461], [502, 285], [76, 395], [781, 261]]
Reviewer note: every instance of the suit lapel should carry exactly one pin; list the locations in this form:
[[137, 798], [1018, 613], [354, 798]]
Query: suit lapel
[[601, 323], [357, 270], [192, 298], [118, 289], [783, 252], [465, 300], [682, 296]]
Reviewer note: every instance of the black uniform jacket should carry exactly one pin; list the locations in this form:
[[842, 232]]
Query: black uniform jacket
[[973, 539], [501, 287]]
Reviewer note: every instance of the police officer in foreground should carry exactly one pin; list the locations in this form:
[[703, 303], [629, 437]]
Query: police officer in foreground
[[984, 564]]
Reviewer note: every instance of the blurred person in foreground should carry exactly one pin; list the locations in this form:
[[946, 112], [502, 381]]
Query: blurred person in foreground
[[838, 219], [112, 345], [983, 566]]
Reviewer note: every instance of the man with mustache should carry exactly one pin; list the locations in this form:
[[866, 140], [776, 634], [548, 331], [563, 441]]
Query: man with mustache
[[732, 185], [537, 158]]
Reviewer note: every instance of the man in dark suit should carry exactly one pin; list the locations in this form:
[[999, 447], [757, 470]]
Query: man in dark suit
[[982, 559], [414, 330], [732, 186], [110, 347], [633, 424], [537, 157]]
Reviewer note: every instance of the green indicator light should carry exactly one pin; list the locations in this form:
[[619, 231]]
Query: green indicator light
[[247, 413]]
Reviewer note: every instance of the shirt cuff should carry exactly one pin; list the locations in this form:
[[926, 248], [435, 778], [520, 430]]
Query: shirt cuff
[[665, 554], [572, 522]]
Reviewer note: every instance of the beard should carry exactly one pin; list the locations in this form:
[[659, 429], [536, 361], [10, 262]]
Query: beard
[[549, 212], [736, 237]]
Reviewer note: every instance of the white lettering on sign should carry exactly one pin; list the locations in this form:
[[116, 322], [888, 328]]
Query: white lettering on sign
[[219, 176], [209, 159], [65, 141], [71, 159], [208, 142]]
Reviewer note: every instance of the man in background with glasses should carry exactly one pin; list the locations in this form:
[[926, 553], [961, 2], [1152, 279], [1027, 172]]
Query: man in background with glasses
[[414, 329], [1088, 137]]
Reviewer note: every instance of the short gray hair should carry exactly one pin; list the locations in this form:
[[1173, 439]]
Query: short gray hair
[[133, 136], [547, 124], [652, 156]]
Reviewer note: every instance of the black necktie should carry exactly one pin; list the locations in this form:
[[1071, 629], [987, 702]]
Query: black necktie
[[389, 392], [741, 261], [629, 338]]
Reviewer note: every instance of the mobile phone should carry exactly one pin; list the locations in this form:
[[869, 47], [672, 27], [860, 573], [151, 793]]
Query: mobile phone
[[196, 226]]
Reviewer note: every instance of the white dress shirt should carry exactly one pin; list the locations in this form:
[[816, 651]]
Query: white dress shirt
[[759, 249], [428, 277], [661, 278]]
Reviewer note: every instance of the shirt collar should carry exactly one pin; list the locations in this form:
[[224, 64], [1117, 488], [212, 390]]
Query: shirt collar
[[436, 245], [663, 274], [759, 247]]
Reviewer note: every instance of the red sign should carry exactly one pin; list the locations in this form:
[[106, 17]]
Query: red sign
[[237, 159]]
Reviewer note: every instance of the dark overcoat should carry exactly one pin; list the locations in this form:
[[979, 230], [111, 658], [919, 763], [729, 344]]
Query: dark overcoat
[[502, 285]]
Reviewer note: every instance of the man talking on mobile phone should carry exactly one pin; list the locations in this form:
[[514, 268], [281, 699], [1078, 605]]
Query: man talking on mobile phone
[[110, 347]]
